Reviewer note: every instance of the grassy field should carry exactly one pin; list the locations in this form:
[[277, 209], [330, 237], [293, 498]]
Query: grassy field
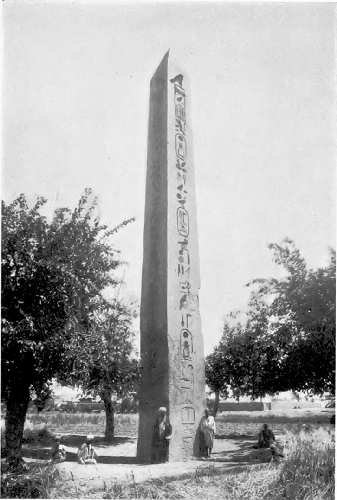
[[228, 423], [82, 423]]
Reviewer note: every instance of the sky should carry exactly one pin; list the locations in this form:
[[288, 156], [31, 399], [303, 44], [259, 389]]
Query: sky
[[75, 110]]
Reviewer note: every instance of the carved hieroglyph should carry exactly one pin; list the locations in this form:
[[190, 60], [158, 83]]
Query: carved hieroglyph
[[171, 341]]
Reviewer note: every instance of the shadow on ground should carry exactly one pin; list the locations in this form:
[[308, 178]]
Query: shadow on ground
[[42, 455], [229, 448], [41, 450], [76, 440], [235, 435], [242, 452]]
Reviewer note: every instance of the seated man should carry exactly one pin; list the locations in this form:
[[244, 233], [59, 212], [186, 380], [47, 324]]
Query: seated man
[[266, 439], [58, 453], [86, 453]]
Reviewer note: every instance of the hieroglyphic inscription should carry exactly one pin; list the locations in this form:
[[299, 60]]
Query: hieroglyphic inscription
[[189, 430], [185, 395], [186, 344], [187, 444], [182, 222], [188, 415], [187, 302], [187, 378]]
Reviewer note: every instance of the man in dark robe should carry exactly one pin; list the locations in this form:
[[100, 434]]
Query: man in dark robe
[[162, 432]]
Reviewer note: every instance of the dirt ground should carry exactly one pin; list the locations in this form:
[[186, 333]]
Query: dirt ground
[[117, 462], [233, 450]]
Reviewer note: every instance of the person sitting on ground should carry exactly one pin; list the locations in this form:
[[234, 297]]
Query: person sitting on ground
[[266, 439], [207, 428], [86, 453], [58, 452], [162, 433]]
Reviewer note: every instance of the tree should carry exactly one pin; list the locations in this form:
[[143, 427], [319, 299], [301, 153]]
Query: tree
[[53, 276], [101, 362], [246, 360], [287, 341], [219, 368], [302, 318], [217, 376]]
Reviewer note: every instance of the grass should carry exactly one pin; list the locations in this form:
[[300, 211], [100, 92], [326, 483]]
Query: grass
[[314, 415], [33, 432], [306, 473], [36, 432], [44, 425], [61, 422], [127, 424], [36, 482], [235, 429]]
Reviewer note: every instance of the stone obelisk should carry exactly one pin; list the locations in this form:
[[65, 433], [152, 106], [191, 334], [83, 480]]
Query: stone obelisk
[[171, 342]]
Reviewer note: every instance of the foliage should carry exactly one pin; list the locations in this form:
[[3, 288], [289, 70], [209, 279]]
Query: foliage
[[128, 404], [53, 278], [42, 398], [101, 362], [101, 359], [218, 367], [245, 360], [302, 319], [287, 341]]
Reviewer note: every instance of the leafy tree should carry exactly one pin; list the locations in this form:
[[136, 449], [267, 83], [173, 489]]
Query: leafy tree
[[219, 366], [244, 360], [302, 318], [288, 339], [217, 376], [101, 362], [53, 276]]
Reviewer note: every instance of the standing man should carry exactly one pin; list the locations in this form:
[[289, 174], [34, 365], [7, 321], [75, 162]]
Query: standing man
[[162, 433], [207, 429]]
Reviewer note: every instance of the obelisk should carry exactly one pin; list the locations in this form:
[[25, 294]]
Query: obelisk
[[172, 355]]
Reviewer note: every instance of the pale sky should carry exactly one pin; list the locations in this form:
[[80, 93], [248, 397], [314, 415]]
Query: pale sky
[[75, 110]]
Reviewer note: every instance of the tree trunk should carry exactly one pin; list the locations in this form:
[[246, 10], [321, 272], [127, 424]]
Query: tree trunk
[[109, 418], [16, 409], [216, 403]]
